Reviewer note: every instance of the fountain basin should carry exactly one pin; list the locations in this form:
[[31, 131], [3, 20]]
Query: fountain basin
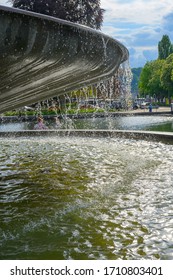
[[152, 136], [100, 199], [42, 57]]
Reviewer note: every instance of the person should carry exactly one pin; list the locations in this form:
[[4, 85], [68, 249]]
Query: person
[[150, 108], [40, 125]]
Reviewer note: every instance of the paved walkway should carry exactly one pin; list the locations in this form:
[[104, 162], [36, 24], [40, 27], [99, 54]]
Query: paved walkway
[[160, 110]]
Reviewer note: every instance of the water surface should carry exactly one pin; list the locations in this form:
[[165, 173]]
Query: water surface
[[155, 123], [68, 198]]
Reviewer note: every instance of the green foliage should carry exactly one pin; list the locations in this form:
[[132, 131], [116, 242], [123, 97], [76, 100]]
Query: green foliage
[[11, 113], [84, 111], [155, 84], [165, 47], [87, 12], [157, 76], [145, 76], [150, 78], [47, 112], [167, 74]]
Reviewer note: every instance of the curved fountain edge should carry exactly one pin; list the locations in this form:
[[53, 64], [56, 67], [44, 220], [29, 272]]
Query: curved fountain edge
[[164, 137], [44, 57], [68, 23]]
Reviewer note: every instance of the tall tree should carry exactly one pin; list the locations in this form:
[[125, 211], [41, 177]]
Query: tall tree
[[145, 76], [165, 47], [167, 75], [150, 78], [87, 12]]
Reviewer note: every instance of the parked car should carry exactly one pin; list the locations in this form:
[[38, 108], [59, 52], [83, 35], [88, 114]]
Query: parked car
[[143, 105]]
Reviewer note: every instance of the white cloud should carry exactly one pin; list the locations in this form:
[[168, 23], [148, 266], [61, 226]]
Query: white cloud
[[138, 11], [138, 24], [5, 2]]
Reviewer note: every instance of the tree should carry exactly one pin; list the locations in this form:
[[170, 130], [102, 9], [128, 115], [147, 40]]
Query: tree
[[150, 79], [155, 84], [165, 47], [87, 12], [167, 75], [145, 76]]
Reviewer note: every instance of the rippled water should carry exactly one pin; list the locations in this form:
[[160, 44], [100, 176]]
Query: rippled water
[[158, 123], [72, 198]]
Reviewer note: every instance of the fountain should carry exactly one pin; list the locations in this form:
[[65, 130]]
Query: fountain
[[45, 57], [61, 197]]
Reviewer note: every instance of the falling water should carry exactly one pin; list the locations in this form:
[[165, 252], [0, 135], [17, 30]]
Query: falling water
[[118, 87]]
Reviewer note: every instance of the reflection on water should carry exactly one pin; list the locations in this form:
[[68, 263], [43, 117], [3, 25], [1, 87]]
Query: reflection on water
[[157, 123], [68, 198]]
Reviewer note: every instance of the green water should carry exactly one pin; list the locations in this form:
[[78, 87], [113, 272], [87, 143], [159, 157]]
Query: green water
[[80, 198], [165, 127]]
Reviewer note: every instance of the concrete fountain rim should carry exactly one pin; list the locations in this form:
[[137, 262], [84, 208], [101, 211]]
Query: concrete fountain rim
[[124, 50]]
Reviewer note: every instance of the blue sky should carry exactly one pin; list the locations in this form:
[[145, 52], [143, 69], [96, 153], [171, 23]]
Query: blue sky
[[138, 24]]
